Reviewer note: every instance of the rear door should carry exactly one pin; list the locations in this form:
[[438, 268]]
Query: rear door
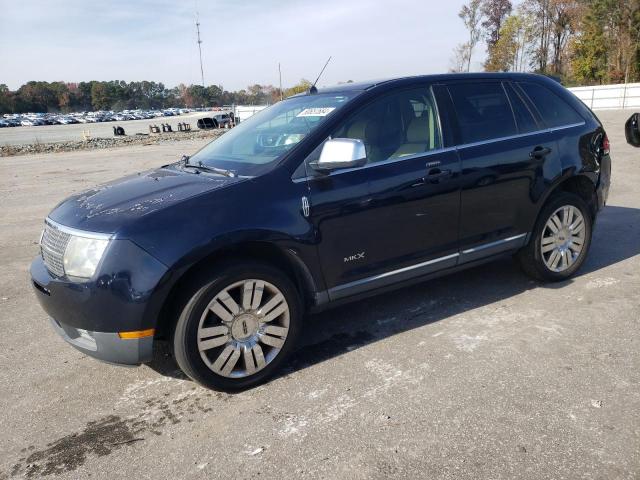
[[396, 217], [507, 157]]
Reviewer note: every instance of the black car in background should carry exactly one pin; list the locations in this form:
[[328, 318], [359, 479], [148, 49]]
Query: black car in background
[[323, 198]]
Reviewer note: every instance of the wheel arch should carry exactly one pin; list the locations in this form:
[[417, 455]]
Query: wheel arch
[[285, 259], [580, 184]]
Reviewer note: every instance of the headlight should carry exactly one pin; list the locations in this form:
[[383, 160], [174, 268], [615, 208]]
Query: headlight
[[82, 256]]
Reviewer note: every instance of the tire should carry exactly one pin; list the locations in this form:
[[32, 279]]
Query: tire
[[538, 264], [211, 334]]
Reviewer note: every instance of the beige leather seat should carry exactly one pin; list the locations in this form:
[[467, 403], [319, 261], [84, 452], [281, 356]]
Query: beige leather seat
[[369, 133], [420, 136]]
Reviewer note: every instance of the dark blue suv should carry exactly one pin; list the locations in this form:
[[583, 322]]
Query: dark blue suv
[[325, 197]]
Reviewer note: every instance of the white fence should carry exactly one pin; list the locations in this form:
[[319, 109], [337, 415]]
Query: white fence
[[609, 96]]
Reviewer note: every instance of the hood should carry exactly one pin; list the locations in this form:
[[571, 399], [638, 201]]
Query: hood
[[109, 207]]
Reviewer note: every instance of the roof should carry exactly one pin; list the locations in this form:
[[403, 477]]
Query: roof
[[361, 86]]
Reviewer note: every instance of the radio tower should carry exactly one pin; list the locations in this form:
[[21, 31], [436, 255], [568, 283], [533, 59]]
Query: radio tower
[[199, 47]]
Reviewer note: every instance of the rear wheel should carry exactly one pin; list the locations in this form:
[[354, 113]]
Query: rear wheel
[[237, 327], [560, 240]]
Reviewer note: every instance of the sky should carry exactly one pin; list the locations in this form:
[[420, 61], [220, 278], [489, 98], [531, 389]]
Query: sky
[[243, 40]]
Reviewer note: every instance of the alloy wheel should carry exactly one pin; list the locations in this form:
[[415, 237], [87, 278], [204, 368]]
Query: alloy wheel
[[243, 328], [563, 238]]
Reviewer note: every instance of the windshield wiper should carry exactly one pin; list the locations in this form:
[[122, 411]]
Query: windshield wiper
[[207, 168]]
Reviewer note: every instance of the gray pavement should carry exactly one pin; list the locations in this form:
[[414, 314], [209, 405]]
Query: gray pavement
[[482, 374]]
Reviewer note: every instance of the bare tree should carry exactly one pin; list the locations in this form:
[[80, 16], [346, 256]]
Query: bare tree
[[526, 39], [460, 58], [563, 23], [494, 13], [471, 16], [540, 10], [628, 38]]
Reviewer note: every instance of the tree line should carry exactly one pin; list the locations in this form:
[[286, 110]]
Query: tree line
[[583, 42], [119, 95]]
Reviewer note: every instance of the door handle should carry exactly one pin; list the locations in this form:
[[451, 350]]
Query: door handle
[[540, 152], [436, 174]]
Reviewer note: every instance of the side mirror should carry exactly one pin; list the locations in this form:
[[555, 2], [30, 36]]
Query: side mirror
[[339, 153], [632, 130]]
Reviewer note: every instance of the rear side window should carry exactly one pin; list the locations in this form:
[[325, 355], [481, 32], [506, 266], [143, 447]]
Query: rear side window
[[524, 119], [554, 111], [483, 111]]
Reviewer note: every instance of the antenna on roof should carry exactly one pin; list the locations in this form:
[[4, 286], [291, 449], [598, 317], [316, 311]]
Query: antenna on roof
[[313, 88]]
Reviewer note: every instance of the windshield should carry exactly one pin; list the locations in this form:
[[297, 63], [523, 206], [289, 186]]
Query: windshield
[[256, 144]]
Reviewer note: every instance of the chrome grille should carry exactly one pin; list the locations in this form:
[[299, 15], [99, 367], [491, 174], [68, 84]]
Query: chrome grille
[[52, 246]]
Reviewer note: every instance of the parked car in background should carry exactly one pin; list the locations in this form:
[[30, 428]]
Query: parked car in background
[[207, 123], [223, 120], [61, 120], [220, 120], [323, 198], [632, 130]]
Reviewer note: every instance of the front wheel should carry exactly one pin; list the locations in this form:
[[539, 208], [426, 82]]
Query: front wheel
[[237, 327], [560, 240]]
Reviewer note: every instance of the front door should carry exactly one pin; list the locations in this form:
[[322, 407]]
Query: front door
[[397, 217]]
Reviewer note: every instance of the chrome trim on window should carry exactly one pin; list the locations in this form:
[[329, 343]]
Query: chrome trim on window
[[376, 164], [441, 150], [519, 135]]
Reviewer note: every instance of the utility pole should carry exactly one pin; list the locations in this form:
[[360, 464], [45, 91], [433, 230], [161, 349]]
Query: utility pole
[[200, 48], [280, 75]]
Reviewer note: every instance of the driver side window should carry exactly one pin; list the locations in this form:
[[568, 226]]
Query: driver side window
[[396, 125]]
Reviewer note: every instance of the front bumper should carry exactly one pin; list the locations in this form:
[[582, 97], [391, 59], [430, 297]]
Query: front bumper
[[126, 295], [107, 346]]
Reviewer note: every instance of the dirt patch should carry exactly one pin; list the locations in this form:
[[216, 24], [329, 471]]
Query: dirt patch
[[69, 452], [104, 436]]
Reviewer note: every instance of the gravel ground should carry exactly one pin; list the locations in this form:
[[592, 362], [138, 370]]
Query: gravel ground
[[113, 142], [482, 374]]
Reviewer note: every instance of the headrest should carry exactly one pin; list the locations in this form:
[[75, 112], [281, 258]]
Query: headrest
[[418, 130], [357, 130], [366, 131]]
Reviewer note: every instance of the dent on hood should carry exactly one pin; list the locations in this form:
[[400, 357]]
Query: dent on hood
[[93, 209], [91, 202]]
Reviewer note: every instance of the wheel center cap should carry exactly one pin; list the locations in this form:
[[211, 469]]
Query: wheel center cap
[[244, 326], [563, 236]]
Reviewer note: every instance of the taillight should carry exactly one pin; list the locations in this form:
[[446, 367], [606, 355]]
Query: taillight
[[605, 145]]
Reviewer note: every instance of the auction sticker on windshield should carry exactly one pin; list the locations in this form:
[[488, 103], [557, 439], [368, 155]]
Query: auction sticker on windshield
[[316, 112]]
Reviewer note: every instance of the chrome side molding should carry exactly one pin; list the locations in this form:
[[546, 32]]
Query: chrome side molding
[[424, 268]]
